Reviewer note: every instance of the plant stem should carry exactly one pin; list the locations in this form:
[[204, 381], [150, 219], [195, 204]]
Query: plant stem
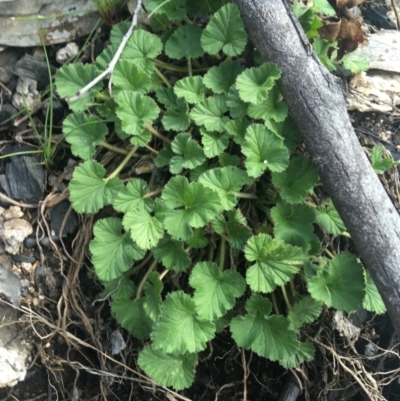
[[285, 297], [244, 195], [163, 274], [222, 251], [310, 204], [329, 253], [157, 134], [144, 279], [189, 63], [151, 149], [123, 164], [346, 234], [162, 76], [153, 193], [275, 304], [174, 68], [292, 288], [113, 148]]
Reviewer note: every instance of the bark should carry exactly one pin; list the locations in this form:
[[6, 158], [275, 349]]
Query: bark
[[317, 104]]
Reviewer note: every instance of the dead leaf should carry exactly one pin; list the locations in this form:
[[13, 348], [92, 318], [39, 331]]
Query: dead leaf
[[345, 28]]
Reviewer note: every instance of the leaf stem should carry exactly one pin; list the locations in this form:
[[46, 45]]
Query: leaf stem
[[275, 304], [151, 149], [113, 148], [157, 134], [189, 63], [244, 195], [153, 193], [144, 279], [292, 288], [329, 253], [170, 67], [285, 297], [222, 251], [162, 76], [346, 234], [123, 164]]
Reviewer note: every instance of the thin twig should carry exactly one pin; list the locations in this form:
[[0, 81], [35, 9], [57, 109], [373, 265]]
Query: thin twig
[[116, 57], [396, 13], [13, 202]]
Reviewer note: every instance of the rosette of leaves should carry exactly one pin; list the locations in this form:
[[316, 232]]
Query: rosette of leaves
[[215, 138]]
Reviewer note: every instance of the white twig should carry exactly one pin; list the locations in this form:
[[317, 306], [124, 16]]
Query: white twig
[[111, 66]]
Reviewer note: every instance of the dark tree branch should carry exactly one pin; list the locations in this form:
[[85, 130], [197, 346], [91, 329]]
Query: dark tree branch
[[317, 104]]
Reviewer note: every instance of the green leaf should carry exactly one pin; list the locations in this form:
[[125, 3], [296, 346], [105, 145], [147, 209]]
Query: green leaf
[[306, 310], [176, 371], [322, 6], [189, 206], [225, 181], [215, 291], [145, 229], [305, 352], [225, 32], [179, 329], [127, 76], [237, 107], [121, 287], [328, 217], [175, 10], [373, 300], [226, 159], [198, 239], [220, 78], [286, 130], [71, 78], [177, 115], [275, 262], [141, 47], [210, 113], [263, 149], [273, 107], [164, 156], [255, 83], [89, 191], [237, 230], [380, 163], [355, 65], [341, 285], [172, 255], [293, 223], [152, 300], [297, 181], [213, 142], [322, 48], [191, 89], [132, 196], [132, 317], [113, 253], [268, 336], [184, 42], [238, 128], [308, 20], [84, 133], [135, 111], [187, 153]]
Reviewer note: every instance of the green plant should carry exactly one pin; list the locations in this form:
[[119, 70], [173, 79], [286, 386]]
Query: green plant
[[224, 215], [327, 50]]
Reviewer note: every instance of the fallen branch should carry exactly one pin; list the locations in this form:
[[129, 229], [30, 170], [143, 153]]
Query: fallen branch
[[317, 104]]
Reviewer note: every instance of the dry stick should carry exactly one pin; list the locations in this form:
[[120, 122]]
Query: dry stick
[[318, 107], [116, 57], [396, 12]]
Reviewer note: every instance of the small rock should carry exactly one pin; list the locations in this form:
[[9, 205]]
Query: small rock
[[13, 233], [25, 283], [64, 54], [13, 212], [26, 94], [10, 287], [8, 58]]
